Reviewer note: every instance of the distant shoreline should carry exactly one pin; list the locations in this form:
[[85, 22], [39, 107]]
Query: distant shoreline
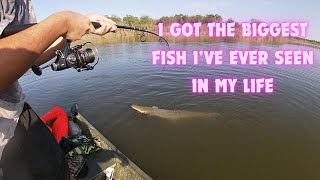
[[145, 22], [127, 36]]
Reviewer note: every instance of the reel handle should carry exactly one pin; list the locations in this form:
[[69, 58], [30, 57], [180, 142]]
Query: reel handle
[[38, 70]]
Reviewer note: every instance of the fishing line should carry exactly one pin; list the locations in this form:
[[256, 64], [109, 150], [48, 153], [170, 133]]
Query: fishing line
[[143, 36]]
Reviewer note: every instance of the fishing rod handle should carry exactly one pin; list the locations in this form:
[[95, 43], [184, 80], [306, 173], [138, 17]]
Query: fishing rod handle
[[96, 25], [13, 29]]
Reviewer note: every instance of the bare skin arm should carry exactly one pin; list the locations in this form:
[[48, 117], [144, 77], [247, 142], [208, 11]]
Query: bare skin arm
[[50, 52], [19, 52]]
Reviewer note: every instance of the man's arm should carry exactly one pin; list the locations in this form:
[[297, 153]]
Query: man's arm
[[19, 52], [107, 25], [50, 52]]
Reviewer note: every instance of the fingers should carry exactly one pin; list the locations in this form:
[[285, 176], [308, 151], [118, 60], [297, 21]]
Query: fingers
[[107, 25], [105, 28], [113, 28], [112, 25], [91, 28], [78, 25]]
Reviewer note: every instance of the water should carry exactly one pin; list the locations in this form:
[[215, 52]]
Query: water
[[261, 137]]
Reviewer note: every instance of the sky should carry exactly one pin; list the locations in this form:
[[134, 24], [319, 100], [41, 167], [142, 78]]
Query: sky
[[239, 10]]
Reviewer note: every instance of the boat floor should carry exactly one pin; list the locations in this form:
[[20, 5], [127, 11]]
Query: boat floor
[[97, 162], [108, 156]]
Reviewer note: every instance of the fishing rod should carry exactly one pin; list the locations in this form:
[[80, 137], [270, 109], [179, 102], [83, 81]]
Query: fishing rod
[[10, 30], [143, 35], [76, 57]]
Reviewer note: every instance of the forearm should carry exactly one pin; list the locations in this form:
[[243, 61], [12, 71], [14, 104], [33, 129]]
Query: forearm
[[19, 52], [50, 52]]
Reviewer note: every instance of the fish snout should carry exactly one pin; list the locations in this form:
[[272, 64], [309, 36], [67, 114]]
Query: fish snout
[[138, 108], [135, 107]]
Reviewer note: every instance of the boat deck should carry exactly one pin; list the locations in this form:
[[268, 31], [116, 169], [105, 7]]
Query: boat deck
[[109, 155]]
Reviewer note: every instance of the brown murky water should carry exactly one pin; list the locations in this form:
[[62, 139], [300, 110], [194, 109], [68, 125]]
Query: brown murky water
[[261, 137]]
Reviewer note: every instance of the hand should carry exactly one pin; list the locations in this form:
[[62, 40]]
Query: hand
[[107, 25], [77, 25]]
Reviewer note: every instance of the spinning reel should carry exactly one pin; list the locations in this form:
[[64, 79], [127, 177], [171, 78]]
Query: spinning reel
[[76, 57]]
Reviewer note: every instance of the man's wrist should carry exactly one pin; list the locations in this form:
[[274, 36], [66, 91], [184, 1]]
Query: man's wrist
[[61, 18]]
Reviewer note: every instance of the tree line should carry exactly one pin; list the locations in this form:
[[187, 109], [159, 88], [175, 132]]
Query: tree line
[[150, 23], [180, 18], [147, 22]]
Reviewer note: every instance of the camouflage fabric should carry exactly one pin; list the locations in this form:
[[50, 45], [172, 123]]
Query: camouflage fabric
[[83, 150], [83, 145], [80, 139]]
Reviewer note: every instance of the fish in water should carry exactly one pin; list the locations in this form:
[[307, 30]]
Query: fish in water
[[173, 114]]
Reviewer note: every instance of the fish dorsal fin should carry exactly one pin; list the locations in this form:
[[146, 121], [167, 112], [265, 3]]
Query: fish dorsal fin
[[155, 107]]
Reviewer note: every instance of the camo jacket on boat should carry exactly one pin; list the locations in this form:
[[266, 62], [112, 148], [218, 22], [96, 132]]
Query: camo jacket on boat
[[78, 145], [13, 12]]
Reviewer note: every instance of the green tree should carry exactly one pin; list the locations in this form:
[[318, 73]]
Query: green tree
[[196, 18], [180, 18], [146, 20], [130, 20], [116, 19], [209, 18], [164, 19]]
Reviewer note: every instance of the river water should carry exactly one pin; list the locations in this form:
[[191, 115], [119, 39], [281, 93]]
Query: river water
[[265, 136]]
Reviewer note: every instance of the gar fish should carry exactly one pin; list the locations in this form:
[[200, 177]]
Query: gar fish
[[172, 114]]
